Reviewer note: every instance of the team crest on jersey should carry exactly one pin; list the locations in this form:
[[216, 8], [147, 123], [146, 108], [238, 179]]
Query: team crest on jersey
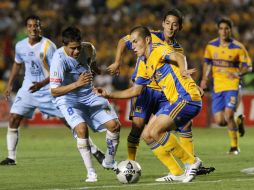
[[41, 55], [215, 55], [138, 109]]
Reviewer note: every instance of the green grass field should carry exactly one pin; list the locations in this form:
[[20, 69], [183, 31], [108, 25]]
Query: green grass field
[[48, 159]]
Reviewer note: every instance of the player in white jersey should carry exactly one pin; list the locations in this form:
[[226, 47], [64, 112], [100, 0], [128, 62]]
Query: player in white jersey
[[35, 53], [70, 83]]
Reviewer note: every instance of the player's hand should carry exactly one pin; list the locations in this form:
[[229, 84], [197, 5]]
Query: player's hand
[[187, 73], [201, 91], [36, 86], [113, 69], [233, 75], [203, 84], [7, 93], [84, 79], [101, 92]]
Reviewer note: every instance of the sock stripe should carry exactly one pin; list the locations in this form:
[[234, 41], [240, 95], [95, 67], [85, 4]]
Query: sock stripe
[[164, 138]]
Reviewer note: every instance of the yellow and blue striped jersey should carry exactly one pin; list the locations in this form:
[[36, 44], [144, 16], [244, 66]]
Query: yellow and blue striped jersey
[[226, 60], [159, 68], [158, 39]]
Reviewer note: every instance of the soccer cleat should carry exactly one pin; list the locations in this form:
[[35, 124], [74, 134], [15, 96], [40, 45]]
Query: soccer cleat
[[234, 151], [203, 171], [172, 178], [99, 156], [91, 177], [240, 124], [191, 169], [109, 166], [8, 161]]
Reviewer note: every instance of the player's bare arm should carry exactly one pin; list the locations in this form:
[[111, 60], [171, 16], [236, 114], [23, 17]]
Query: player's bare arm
[[14, 72], [124, 94], [38, 85], [113, 69], [84, 79]]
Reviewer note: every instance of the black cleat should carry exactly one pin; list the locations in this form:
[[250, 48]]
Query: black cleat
[[99, 156], [240, 124], [203, 171], [234, 151], [8, 161]]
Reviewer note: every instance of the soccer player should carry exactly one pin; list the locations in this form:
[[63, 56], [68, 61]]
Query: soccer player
[[181, 101], [142, 107], [35, 53], [78, 103], [228, 60]]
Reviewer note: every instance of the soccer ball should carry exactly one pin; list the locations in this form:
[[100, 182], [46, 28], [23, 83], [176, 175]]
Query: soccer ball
[[128, 171]]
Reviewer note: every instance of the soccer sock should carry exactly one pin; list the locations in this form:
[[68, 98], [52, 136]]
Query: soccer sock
[[84, 150], [12, 141], [170, 144], [166, 158], [185, 137], [112, 140], [133, 143], [233, 136], [92, 146]]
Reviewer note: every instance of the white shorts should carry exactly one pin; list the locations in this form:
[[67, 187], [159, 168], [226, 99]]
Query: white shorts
[[25, 103], [95, 112]]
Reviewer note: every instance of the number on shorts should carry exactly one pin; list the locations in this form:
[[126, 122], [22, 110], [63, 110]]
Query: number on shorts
[[70, 110]]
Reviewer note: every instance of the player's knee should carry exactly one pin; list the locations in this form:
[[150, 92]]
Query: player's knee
[[113, 126], [221, 122], [138, 123], [146, 136], [14, 121], [81, 131]]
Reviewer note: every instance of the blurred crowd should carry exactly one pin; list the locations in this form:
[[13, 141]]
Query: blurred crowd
[[104, 22]]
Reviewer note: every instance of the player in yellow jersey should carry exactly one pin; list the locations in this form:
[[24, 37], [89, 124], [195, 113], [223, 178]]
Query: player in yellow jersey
[[228, 60], [142, 108], [181, 102]]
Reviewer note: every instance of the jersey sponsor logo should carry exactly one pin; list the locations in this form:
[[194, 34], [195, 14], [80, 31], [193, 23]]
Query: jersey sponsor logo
[[31, 53], [215, 55], [35, 69]]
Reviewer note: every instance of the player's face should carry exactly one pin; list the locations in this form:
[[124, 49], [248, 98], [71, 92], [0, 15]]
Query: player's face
[[139, 44], [73, 49], [33, 28], [224, 31], [170, 26]]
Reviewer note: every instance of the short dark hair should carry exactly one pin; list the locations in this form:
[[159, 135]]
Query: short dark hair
[[225, 20], [71, 34], [142, 30], [33, 17], [176, 13]]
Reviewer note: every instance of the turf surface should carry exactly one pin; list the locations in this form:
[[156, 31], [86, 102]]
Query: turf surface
[[48, 159]]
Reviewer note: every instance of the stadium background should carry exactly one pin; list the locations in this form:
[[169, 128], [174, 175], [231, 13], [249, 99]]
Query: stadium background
[[104, 22]]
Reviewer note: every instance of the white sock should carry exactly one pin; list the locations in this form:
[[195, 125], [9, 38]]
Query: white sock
[[12, 142], [84, 150], [93, 146], [112, 140]]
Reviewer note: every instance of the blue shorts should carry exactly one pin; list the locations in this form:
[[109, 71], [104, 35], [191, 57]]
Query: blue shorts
[[26, 102], [224, 99], [147, 103], [94, 112], [181, 111]]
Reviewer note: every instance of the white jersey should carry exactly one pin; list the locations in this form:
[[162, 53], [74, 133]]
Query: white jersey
[[36, 58], [65, 70]]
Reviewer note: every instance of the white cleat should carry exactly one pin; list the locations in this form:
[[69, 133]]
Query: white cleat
[[109, 166], [172, 178], [91, 177], [191, 169]]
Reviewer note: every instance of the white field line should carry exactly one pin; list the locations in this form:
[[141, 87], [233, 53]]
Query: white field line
[[150, 184]]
